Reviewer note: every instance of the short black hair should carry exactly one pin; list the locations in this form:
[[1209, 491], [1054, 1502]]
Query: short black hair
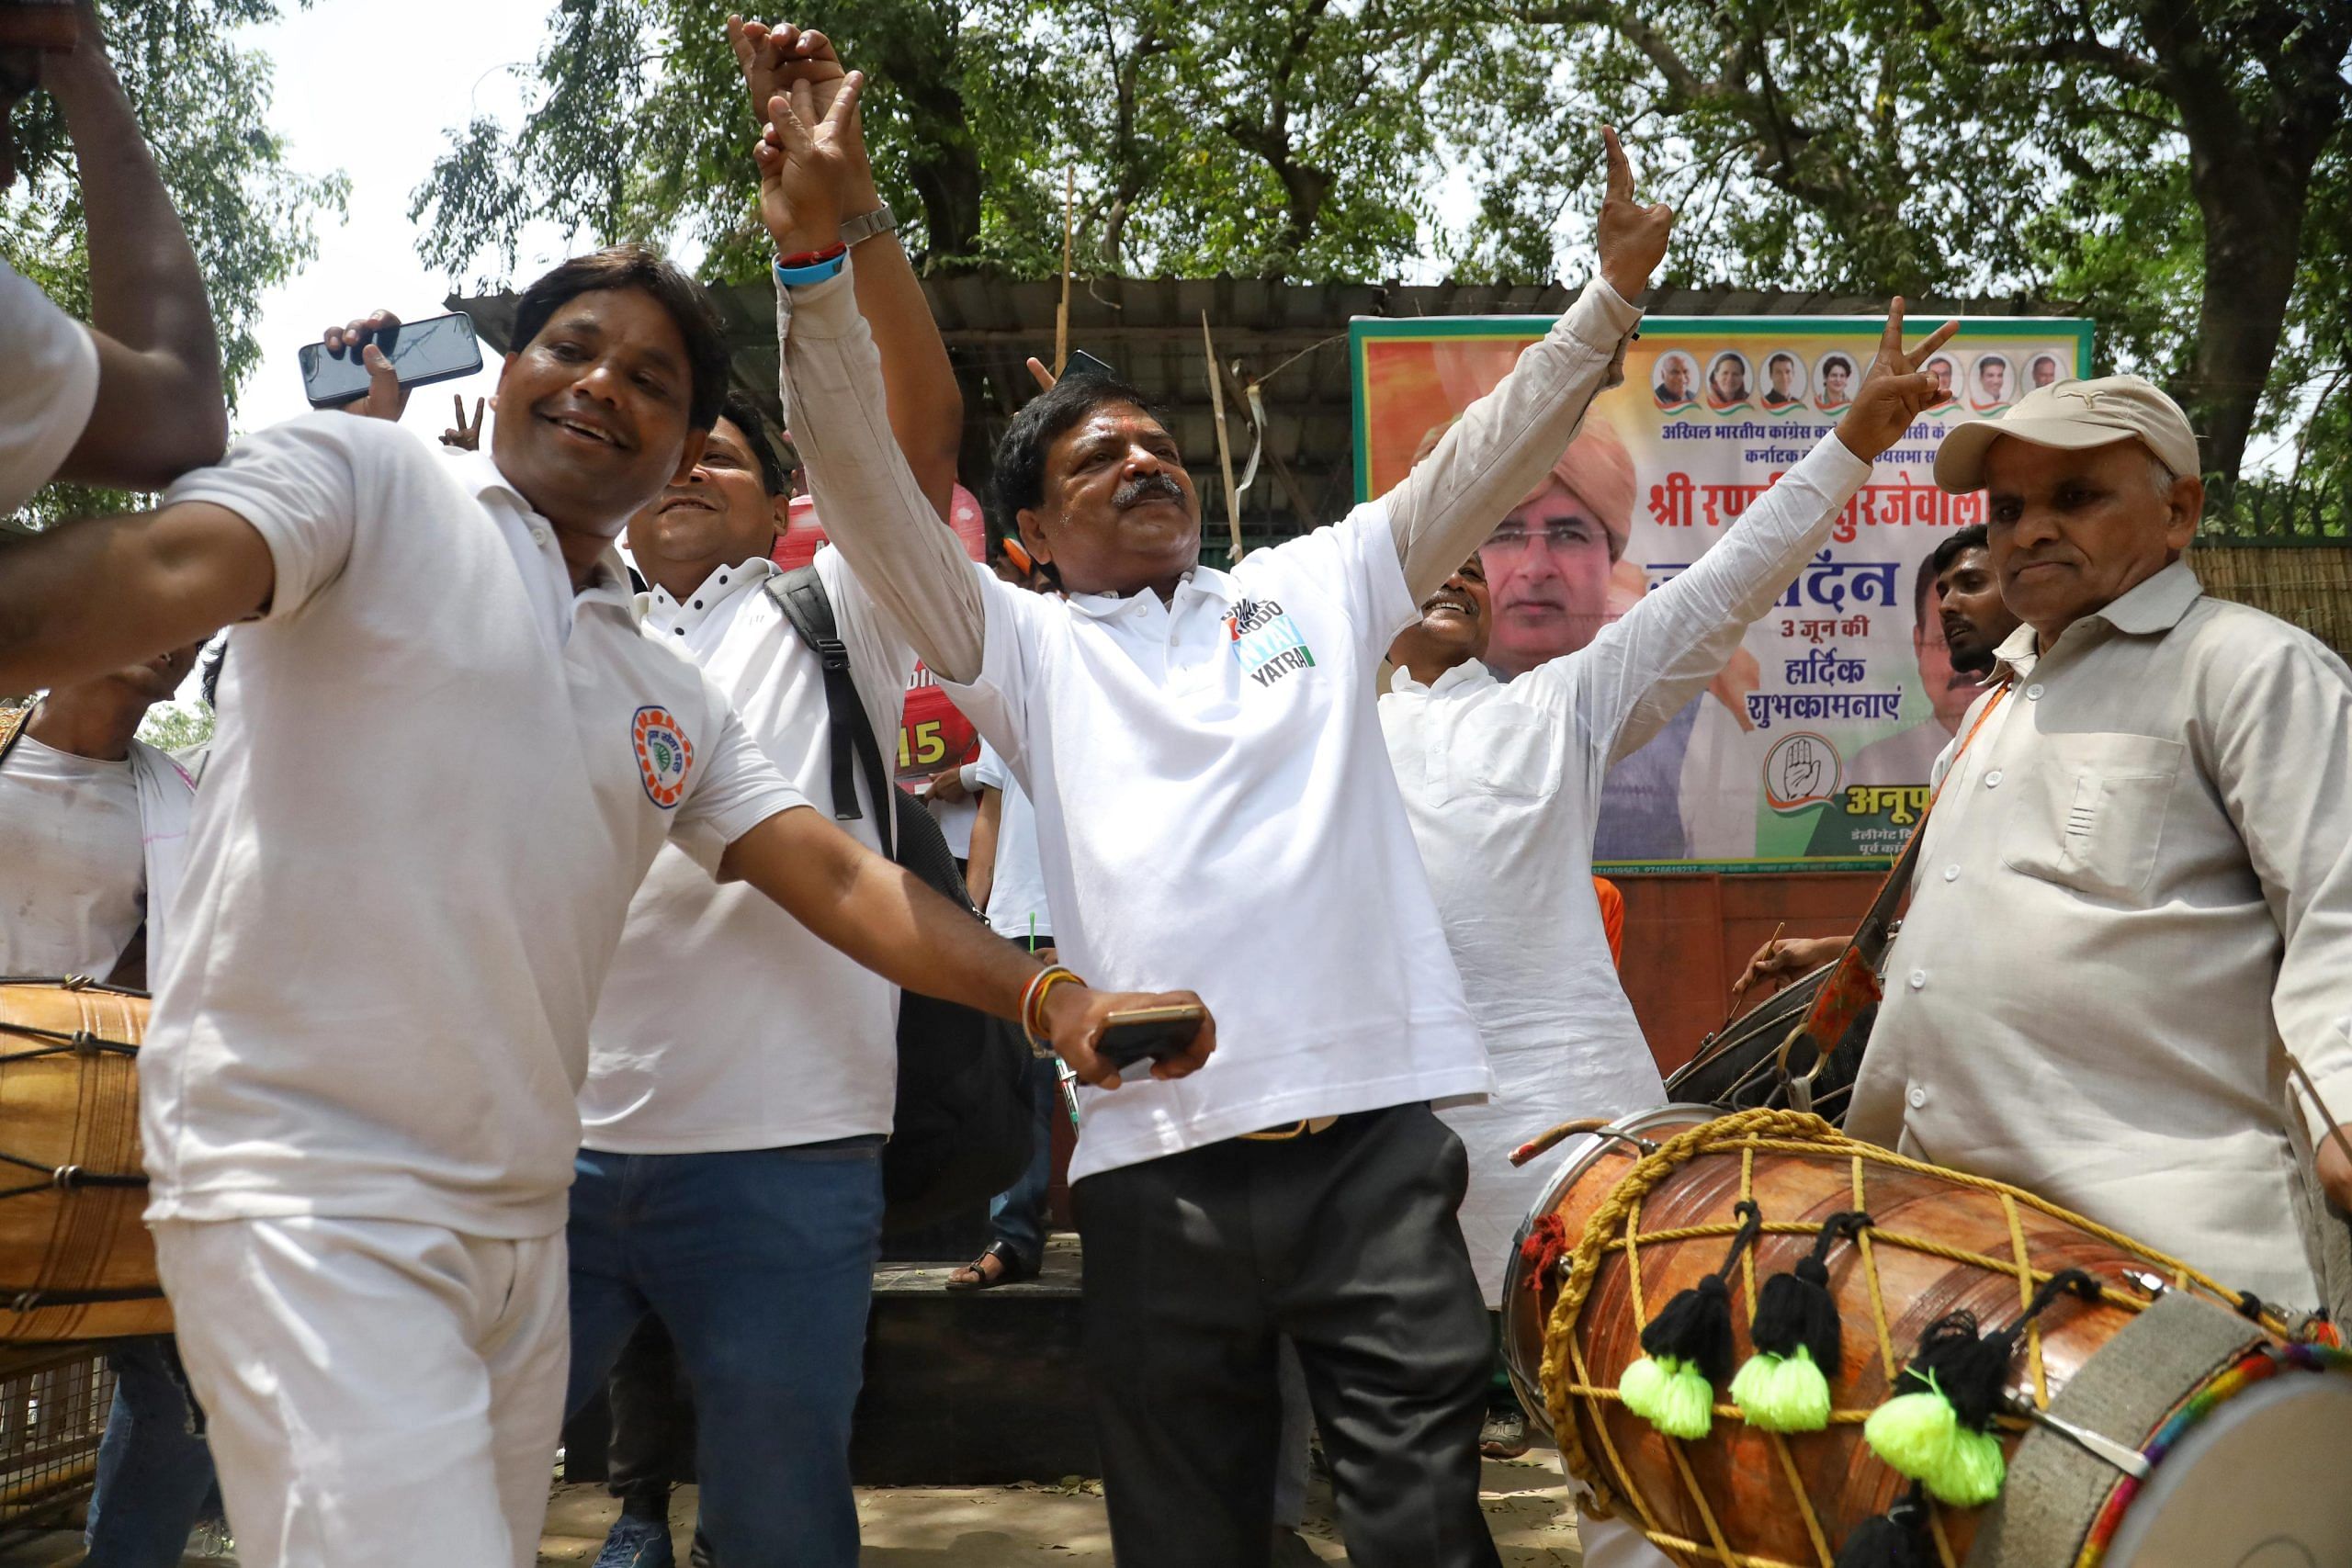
[[640, 268], [1976, 536], [1019, 478], [1783, 357], [744, 414], [1837, 362]]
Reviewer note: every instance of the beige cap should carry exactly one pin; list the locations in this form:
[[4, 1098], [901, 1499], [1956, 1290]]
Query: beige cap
[[2073, 415]]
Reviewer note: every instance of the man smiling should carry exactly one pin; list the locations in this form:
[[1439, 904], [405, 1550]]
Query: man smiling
[[2155, 814], [447, 757], [1207, 770]]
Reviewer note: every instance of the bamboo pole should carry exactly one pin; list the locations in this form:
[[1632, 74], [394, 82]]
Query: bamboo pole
[[1069, 231], [1224, 446]]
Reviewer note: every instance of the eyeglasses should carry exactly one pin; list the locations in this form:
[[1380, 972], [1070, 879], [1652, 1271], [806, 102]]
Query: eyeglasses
[[1512, 538]]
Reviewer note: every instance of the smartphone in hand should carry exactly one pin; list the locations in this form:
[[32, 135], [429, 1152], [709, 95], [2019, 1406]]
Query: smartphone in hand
[[439, 348], [1155, 1033]]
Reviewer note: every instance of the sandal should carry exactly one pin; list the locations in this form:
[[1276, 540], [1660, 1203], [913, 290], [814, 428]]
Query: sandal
[[1010, 1268]]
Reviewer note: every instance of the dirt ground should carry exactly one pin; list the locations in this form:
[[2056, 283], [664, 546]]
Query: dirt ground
[[1018, 1526]]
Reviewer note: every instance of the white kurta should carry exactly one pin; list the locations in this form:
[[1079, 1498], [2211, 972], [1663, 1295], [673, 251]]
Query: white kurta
[[1502, 783]]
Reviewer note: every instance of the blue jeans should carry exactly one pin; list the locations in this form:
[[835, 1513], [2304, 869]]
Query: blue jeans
[[1017, 1214], [154, 1470], [760, 1264]]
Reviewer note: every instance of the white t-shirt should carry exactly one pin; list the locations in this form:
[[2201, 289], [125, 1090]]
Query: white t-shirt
[[1216, 810], [50, 385], [1017, 884], [75, 887], [956, 818], [725, 1022], [439, 776]]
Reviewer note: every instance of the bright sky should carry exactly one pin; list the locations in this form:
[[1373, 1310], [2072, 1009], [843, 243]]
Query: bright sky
[[339, 109]]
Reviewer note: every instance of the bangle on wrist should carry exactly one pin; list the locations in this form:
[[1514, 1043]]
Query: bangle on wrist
[[811, 266], [1032, 1005]]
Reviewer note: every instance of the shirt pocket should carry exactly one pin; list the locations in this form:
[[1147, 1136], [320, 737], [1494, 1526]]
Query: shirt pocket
[[2093, 813], [1503, 751]]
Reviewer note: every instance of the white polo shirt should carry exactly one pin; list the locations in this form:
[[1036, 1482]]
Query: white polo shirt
[[51, 386], [76, 885], [440, 775], [1214, 802], [725, 1022]]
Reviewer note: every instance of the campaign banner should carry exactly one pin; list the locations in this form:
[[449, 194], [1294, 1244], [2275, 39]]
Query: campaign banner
[[1811, 748]]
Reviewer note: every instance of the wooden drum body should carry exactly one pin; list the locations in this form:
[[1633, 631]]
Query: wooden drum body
[[1937, 1241], [76, 1262]]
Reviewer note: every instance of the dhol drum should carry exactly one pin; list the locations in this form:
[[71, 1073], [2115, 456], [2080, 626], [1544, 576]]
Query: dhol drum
[[75, 1260], [2144, 1416], [1738, 1067]]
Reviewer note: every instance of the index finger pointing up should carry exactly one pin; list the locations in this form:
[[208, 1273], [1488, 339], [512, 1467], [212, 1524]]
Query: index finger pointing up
[[1621, 169]]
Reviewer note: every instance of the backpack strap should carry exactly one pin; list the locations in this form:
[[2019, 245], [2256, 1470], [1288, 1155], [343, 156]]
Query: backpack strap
[[800, 594]]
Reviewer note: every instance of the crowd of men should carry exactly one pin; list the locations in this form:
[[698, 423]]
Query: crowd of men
[[525, 970]]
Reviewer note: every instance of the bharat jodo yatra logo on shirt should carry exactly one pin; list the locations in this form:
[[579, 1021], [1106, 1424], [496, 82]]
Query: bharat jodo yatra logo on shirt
[[1266, 640], [663, 755]]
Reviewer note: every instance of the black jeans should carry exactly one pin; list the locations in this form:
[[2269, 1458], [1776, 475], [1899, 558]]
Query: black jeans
[[653, 1444], [1346, 1241]]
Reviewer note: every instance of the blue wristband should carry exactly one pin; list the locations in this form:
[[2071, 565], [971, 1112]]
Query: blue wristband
[[815, 271]]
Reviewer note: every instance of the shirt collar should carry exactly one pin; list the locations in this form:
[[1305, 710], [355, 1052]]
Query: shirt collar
[[481, 475], [709, 597], [2150, 608], [1468, 674], [1200, 582]]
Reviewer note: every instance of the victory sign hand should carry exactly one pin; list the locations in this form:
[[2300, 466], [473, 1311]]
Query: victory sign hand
[[1632, 236], [1895, 391], [809, 165]]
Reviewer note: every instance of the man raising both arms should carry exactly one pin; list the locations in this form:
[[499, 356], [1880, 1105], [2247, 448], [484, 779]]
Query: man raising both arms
[[448, 755], [1212, 796]]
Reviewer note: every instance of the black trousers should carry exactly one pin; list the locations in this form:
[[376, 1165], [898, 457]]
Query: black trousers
[[1346, 1241]]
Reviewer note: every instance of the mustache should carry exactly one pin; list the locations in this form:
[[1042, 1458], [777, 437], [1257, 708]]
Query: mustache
[[1136, 492]]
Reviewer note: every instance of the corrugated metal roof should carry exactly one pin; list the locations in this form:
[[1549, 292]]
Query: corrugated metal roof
[[1294, 338]]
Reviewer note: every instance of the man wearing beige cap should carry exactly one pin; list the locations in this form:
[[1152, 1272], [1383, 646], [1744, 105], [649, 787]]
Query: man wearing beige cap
[[2134, 895]]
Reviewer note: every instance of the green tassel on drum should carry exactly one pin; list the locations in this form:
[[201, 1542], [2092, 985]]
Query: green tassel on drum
[[1688, 1349], [1784, 1387], [1937, 1429]]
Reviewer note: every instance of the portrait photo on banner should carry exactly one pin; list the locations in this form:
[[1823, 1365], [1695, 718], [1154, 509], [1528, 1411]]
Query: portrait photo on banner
[[1812, 743]]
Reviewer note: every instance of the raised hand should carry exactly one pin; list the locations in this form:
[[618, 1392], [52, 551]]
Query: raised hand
[[808, 166], [774, 58], [385, 397], [1632, 237], [1895, 391], [464, 435]]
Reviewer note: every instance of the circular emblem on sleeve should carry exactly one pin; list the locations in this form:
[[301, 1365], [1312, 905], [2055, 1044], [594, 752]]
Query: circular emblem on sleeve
[[663, 755]]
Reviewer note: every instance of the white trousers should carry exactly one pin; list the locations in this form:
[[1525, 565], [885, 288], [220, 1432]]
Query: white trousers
[[1616, 1543], [377, 1393]]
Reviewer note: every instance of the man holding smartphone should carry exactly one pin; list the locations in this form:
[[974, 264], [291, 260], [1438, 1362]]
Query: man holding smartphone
[[448, 755], [1212, 796]]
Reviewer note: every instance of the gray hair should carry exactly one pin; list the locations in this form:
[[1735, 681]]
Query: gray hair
[[2162, 476]]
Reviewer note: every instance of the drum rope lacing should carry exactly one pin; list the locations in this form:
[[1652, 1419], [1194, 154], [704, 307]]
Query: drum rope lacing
[[66, 1177], [1614, 1226]]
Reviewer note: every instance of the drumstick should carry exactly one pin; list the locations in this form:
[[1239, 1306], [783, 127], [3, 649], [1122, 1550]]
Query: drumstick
[[2335, 1128], [1739, 987]]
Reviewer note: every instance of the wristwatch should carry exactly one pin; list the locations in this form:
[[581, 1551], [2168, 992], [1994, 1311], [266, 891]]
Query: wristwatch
[[866, 225]]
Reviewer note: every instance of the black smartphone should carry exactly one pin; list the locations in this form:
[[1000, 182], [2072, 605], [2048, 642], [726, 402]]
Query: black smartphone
[[439, 348], [1081, 362], [1157, 1033]]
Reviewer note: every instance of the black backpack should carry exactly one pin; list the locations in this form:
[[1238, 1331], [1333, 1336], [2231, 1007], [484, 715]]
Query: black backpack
[[963, 1125]]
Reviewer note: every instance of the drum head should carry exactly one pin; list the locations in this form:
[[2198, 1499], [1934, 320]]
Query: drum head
[[2258, 1483]]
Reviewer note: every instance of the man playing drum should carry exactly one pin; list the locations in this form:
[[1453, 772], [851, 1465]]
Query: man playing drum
[[2134, 895], [448, 755], [1503, 787]]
